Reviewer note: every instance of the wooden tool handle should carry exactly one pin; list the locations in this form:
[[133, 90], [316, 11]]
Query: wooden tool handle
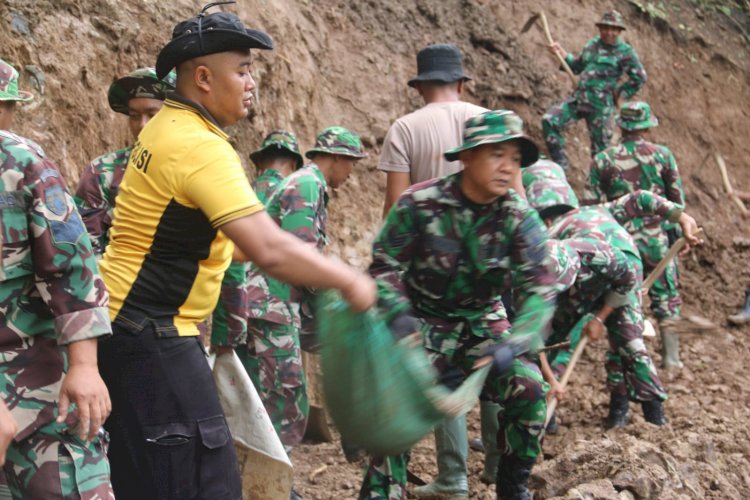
[[663, 263], [552, 405], [728, 185], [559, 57]]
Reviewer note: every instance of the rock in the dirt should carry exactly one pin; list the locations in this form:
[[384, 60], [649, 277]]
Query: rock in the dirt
[[601, 489]]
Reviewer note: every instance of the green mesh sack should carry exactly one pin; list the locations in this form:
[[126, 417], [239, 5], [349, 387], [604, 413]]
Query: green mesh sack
[[382, 394]]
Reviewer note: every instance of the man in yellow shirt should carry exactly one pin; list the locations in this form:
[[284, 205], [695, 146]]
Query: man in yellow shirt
[[184, 196]]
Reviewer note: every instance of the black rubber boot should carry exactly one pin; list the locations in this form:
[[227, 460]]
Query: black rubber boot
[[619, 416], [653, 412], [513, 478], [743, 316]]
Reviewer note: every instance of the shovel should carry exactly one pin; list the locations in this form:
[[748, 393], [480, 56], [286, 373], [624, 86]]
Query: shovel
[[531, 22]]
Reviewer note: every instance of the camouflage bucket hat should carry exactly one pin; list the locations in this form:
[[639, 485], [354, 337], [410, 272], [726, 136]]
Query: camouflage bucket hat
[[338, 141], [636, 115], [493, 127], [612, 18], [543, 194], [139, 83], [565, 264], [9, 84], [543, 169], [278, 139]]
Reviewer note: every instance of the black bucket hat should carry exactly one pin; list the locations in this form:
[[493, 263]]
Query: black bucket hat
[[440, 62], [208, 34]]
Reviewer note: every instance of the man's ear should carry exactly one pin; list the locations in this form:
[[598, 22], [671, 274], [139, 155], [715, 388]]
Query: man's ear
[[203, 77]]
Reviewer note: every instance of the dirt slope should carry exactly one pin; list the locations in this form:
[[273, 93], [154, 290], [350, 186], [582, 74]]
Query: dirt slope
[[346, 63]]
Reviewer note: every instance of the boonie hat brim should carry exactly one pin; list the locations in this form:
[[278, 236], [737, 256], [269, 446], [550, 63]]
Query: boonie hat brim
[[529, 149], [23, 96], [311, 152], [613, 25], [438, 76], [257, 156], [188, 46], [640, 125]]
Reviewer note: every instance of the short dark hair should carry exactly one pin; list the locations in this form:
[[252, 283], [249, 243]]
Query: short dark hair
[[271, 154], [8, 105]]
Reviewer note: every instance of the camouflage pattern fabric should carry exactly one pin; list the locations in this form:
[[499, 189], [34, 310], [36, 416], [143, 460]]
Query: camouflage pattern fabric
[[52, 292], [612, 18], [9, 90], [278, 140], [601, 66], [542, 168], [55, 463], [96, 193], [298, 205], [275, 356], [141, 82], [448, 263], [636, 115], [630, 369], [625, 168], [338, 141]]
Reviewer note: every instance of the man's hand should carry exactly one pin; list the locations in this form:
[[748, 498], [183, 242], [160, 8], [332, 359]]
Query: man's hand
[[594, 329], [556, 48], [689, 228], [8, 429], [361, 293], [84, 386], [556, 390]]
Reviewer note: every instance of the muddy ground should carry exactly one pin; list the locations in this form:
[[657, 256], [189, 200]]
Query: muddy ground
[[344, 62]]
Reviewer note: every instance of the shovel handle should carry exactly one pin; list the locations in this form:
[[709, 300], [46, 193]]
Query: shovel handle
[[663, 263], [728, 185], [560, 58], [552, 405]]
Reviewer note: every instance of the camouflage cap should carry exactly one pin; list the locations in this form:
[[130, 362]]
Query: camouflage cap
[[493, 127], [543, 168], [338, 141], [636, 115], [612, 18], [278, 139], [9, 84], [546, 193], [139, 83], [565, 264]]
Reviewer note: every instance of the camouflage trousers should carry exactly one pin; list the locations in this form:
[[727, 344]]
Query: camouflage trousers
[[598, 120], [273, 359], [630, 369], [520, 392], [54, 463], [666, 302], [229, 319]]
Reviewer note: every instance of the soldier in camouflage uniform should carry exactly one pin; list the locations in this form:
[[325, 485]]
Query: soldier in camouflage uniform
[[602, 62], [631, 374], [54, 310], [637, 164], [138, 95], [299, 206], [448, 250], [276, 159]]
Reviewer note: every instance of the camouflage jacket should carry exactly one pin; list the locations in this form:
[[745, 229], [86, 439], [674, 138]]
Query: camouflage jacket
[[50, 289], [266, 183], [601, 66], [630, 166], [299, 206], [604, 222], [96, 194], [605, 272], [449, 261]]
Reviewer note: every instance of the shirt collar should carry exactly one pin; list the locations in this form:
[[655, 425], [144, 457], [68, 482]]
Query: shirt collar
[[451, 194], [175, 100]]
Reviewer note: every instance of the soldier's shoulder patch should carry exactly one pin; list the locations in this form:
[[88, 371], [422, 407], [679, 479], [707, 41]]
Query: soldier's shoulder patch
[[54, 199], [69, 231]]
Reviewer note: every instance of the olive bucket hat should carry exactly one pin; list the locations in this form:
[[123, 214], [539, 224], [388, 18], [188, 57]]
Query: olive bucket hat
[[493, 127], [208, 34], [277, 140], [338, 141], [612, 18], [9, 84], [139, 83], [440, 62], [636, 115]]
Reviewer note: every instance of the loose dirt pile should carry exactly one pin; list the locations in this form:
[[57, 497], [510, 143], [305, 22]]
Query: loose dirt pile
[[346, 63]]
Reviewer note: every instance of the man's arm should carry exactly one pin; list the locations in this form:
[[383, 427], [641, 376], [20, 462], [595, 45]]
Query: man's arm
[[93, 207], [8, 429], [395, 184], [672, 181], [636, 75], [284, 257], [592, 193]]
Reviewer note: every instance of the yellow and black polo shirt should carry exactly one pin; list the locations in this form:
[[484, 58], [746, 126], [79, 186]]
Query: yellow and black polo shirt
[[166, 257]]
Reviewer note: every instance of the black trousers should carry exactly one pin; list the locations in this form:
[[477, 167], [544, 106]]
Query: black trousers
[[169, 438]]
